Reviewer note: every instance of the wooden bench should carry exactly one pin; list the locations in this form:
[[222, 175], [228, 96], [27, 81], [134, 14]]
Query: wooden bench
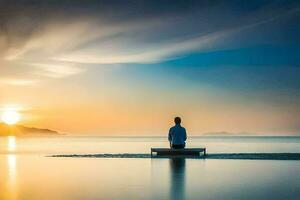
[[178, 152]]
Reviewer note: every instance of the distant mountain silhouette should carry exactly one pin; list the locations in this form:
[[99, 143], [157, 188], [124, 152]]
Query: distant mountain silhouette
[[20, 130]]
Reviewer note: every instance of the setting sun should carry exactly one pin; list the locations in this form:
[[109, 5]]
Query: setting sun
[[10, 117]]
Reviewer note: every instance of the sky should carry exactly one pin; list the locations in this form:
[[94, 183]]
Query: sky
[[123, 67]]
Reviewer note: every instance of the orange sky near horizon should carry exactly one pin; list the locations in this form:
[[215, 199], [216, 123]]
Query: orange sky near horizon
[[81, 113]]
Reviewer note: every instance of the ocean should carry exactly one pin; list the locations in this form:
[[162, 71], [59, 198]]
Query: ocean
[[27, 172]]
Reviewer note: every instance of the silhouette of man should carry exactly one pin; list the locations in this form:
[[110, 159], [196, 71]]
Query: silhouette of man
[[177, 135]]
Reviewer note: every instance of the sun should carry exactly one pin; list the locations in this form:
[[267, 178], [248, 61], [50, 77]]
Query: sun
[[10, 117]]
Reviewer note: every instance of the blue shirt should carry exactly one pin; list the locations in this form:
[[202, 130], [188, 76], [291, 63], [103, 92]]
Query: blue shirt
[[177, 135]]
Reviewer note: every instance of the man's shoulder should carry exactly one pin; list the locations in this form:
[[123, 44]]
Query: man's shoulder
[[177, 127]]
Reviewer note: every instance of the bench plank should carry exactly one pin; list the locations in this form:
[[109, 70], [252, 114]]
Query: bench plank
[[178, 152]]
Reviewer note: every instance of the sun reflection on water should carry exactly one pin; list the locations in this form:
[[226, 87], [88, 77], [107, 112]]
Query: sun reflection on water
[[12, 168], [11, 164], [11, 144]]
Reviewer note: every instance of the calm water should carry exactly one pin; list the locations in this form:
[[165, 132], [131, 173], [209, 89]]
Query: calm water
[[27, 174]]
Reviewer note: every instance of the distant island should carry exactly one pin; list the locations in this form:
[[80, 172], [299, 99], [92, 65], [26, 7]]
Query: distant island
[[19, 130]]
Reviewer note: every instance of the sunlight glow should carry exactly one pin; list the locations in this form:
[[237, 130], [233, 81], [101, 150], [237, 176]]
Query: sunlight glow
[[10, 117]]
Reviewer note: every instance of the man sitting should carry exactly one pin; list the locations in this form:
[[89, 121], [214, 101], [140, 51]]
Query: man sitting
[[177, 135]]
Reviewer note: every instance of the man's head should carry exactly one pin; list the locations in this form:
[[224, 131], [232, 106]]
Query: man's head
[[177, 120]]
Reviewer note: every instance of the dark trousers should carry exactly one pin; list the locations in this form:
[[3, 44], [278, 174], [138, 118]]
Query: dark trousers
[[177, 146]]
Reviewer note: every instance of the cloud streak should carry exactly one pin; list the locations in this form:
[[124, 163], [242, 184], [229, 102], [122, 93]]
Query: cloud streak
[[57, 70], [17, 82]]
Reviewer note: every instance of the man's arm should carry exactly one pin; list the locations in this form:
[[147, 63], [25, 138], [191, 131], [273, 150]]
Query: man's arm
[[170, 138], [184, 135]]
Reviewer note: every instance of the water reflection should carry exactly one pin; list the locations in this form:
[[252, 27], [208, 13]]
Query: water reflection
[[11, 144], [177, 178], [12, 168]]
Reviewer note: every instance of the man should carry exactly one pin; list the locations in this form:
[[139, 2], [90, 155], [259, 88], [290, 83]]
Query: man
[[177, 135]]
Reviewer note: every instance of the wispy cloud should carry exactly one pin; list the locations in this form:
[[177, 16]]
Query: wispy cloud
[[126, 50], [57, 70], [17, 82]]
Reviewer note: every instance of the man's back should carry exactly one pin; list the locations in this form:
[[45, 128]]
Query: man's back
[[177, 135]]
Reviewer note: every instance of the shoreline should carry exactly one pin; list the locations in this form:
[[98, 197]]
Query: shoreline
[[233, 156]]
